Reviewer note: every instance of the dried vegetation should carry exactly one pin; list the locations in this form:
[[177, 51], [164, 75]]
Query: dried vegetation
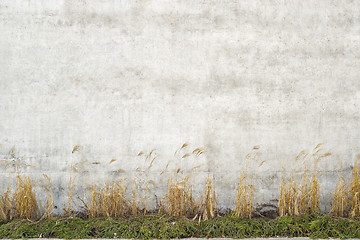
[[300, 194], [121, 197]]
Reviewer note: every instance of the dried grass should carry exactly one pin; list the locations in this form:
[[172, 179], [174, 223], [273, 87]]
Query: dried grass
[[94, 202], [73, 169], [346, 197], [244, 197], [353, 191], [49, 202], [245, 190], [135, 202], [143, 182], [338, 204], [6, 206], [108, 201], [179, 199], [24, 198], [208, 201], [301, 193]]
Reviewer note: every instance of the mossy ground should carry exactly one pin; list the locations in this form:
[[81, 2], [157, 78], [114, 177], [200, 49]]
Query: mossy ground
[[161, 226]]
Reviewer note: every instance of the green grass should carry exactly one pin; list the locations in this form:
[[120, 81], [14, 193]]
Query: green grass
[[165, 227]]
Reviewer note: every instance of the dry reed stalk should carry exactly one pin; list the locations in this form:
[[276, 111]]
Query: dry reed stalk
[[134, 206], [6, 206], [244, 198], [315, 192], [150, 158], [49, 204], [114, 202], [244, 190], [72, 170], [108, 201], [354, 191], [94, 205], [346, 199], [70, 196], [284, 197], [301, 194], [179, 199], [75, 149], [208, 201], [338, 204], [25, 202]]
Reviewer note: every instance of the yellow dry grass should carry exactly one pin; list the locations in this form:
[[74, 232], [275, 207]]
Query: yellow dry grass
[[135, 203], [244, 197], [244, 189], [208, 201], [338, 204], [179, 200], [49, 202], [140, 197], [301, 193], [6, 205], [108, 201], [354, 191], [346, 197], [73, 169], [24, 199], [94, 202]]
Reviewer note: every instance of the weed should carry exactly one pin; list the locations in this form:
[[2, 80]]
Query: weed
[[208, 201], [6, 206], [25, 202], [75, 149], [134, 209], [179, 199], [244, 198], [354, 190], [108, 201], [49, 204], [346, 198], [244, 190], [73, 169], [301, 194]]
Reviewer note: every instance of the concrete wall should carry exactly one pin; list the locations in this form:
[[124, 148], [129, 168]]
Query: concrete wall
[[119, 77]]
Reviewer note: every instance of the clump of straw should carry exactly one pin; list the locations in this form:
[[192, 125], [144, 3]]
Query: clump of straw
[[244, 197], [301, 194], [109, 201], [25, 202], [6, 206]]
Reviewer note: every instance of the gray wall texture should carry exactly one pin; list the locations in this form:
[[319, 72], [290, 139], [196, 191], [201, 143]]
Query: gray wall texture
[[122, 76]]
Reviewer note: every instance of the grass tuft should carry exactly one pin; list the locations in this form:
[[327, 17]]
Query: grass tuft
[[354, 190], [301, 193], [25, 202], [179, 200], [244, 197], [6, 206], [108, 201], [208, 201]]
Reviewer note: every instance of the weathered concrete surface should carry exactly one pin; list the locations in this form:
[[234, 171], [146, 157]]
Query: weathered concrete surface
[[120, 77]]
